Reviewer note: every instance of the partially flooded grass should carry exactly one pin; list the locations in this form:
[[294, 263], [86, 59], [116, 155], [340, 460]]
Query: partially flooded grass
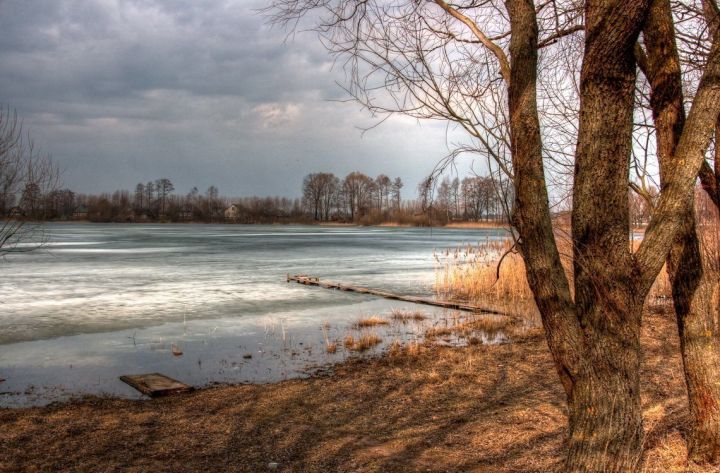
[[371, 321], [406, 315], [439, 409], [473, 329], [476, 274], [362, 343], [330, 347]]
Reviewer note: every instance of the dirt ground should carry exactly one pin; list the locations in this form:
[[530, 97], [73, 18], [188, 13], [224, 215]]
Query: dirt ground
[[440, 409]]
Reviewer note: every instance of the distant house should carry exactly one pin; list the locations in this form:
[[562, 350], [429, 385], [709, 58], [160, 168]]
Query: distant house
[[186, 214], [232, 212], [16, 212], [80, 213]]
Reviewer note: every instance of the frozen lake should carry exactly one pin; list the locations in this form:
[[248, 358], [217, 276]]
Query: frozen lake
[[102, 300]]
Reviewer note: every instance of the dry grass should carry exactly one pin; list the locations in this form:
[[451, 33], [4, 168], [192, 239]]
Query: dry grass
[[476, 225], [439, 332], [427, 409], [471, 328], [330, 347], [408, 350], [372, 321], [488, 323], [406, 315], [362, 343], [471, 273]]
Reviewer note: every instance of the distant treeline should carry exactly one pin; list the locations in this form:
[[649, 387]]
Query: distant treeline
[[356, 198], [360, 198]]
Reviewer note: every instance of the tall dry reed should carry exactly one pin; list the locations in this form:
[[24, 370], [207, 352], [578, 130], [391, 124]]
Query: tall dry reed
[[476, 274]]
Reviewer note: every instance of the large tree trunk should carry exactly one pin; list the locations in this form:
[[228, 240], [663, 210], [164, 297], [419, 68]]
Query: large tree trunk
[[606, 429], [692, 283], [605, 414], [594, 341]]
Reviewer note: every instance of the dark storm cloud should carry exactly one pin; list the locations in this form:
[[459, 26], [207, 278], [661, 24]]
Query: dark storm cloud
[[201, 91]]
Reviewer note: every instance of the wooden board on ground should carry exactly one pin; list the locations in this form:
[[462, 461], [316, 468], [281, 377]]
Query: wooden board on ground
[[314, 281], [155, 384]]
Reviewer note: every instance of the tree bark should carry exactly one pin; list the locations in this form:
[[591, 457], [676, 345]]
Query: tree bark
[[531, 216], [605, 413], [692, 283]]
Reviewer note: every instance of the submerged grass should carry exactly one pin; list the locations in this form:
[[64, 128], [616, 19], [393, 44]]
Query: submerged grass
[[362, 343], [406, 315], [371, 321]]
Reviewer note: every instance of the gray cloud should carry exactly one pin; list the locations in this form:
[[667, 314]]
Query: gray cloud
[[201, 91]]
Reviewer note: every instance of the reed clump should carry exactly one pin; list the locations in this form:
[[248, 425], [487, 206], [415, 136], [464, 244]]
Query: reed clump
[[372, 321], [439, 332], [406, 351], [471, 273], [406, 315], [330, 347], [470, 329], [362, 343], [493, 274]]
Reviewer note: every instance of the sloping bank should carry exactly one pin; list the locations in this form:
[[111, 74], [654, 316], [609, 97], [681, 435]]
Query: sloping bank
[[493, 408]]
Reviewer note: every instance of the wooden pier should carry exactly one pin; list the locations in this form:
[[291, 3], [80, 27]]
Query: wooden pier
[[313, 281]]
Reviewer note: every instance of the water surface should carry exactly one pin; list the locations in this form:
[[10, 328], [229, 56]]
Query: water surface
[[101, 300]]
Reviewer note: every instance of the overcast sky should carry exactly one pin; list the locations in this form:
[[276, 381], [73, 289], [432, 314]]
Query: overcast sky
[[203, 92]]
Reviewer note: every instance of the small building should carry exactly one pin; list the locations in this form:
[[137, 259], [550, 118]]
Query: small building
[[232, 212], [186, 214], [16, 212], [80, 213]]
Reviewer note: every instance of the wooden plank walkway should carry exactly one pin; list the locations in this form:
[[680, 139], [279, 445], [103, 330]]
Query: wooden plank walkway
[[155, 384], [313, 281]]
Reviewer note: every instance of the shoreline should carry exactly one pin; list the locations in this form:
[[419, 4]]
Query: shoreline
[[431, 408], [452, 225]]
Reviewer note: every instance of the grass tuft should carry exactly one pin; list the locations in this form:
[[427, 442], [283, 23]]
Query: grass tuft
[[405, 315], [362, 343], [372, 321]]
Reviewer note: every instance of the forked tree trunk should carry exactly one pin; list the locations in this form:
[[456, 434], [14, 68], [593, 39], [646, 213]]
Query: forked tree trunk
[[692, 282], [605, 413], [594, 341]]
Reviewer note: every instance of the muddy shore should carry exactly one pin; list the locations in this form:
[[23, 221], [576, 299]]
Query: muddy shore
[[478, 408]]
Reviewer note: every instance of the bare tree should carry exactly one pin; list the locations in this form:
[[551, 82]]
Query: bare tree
[[397, 186], [319, 191], [312, 194], [140, 197], [150, 199], [383, 185], [358, 189], [163, 187], [455, 62], [426, 192], [212, 195], [25, 178], [692, 277]]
